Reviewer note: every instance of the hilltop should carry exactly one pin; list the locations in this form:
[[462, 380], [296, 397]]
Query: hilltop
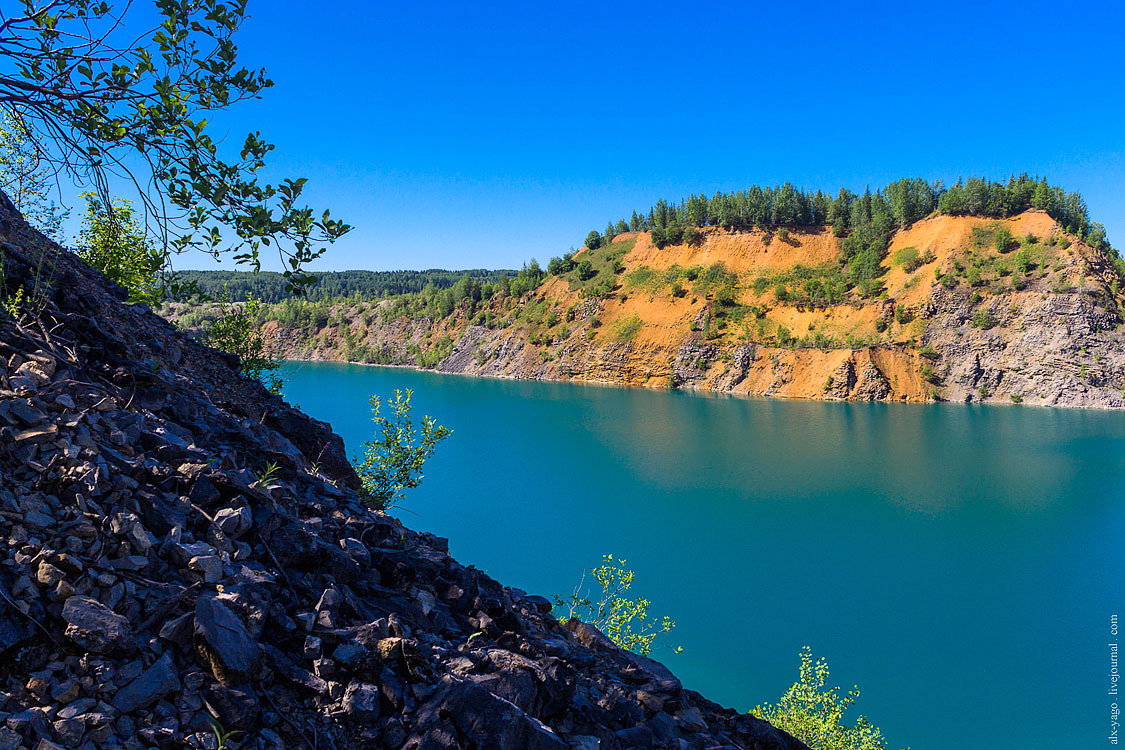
[[953, 307]]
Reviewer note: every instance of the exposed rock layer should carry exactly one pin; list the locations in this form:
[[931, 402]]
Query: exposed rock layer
[[1055, 340]]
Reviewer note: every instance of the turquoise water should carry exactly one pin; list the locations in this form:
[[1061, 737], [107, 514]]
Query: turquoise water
[[959, 563]]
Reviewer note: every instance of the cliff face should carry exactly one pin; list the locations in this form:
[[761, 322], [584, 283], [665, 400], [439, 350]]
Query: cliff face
[[958, 319], [183, 547]]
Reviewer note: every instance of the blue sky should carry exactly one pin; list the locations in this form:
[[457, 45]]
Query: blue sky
[[456, 136]]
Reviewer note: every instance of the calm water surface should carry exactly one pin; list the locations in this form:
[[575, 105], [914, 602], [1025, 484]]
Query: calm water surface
[[959, 563]]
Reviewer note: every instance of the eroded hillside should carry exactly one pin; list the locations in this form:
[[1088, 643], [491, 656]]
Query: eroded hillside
[[966, 309]]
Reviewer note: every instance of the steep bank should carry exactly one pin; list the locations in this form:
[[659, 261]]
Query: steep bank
[[183, 547], [959, 318]]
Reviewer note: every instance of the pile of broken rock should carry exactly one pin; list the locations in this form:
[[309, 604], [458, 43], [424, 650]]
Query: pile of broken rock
[[160, 586]]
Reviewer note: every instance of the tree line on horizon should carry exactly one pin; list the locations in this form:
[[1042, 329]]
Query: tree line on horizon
[[904, 201], [270, 286]]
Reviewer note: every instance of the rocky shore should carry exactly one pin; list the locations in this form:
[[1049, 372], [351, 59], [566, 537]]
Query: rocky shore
[[185, 557]]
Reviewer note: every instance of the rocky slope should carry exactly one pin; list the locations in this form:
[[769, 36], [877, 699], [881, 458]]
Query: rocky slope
[[958, 320], [182, 548]]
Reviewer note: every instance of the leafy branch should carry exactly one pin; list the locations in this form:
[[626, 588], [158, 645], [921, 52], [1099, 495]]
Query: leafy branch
[[102, 103]]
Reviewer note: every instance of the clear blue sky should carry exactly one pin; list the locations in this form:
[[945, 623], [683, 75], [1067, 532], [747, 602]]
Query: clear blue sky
[[456, 136]]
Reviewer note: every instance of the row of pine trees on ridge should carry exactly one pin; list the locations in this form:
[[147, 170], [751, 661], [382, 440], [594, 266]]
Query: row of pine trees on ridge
[[865, 222]]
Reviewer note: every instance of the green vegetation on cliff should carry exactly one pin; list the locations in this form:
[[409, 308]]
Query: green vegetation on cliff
[[864, 221], [115, 243]]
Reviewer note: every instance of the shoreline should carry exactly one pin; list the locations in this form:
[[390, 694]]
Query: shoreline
[[696, 391]]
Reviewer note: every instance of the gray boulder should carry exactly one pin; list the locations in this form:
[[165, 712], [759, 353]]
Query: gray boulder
[[95, 627]]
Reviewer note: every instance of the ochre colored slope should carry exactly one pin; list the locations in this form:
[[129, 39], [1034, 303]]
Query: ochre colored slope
[[1037, 323]]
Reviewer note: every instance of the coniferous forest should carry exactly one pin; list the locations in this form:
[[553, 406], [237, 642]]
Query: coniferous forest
[[270, 287]]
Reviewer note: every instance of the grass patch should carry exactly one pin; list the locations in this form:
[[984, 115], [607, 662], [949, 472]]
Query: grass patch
[[815, 286], [626, 329], [911, 259], [713, 280], [644, 279]]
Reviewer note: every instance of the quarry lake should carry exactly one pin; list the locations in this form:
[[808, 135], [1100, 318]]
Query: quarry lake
[[959, 563]]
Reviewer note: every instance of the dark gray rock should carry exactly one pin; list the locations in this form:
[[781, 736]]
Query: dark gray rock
[[154, 683], [234, 522], [69, 731], [223, 643], [485, 719], [97, 628], [638, 737], [361, 702], [10, 740], [588, 635], [237, 708], [14, 628], [541, 603]]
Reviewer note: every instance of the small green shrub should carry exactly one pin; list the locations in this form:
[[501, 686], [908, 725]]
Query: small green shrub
[[624, 621], [237, 331], [393, 461], [983, 318], [627, 329], [643, 278], [814, 713], [909, 258], [117, 246], [1003, 240]]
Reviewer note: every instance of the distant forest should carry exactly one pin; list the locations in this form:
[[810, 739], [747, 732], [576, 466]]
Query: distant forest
[[865, 222], [269, 286]]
